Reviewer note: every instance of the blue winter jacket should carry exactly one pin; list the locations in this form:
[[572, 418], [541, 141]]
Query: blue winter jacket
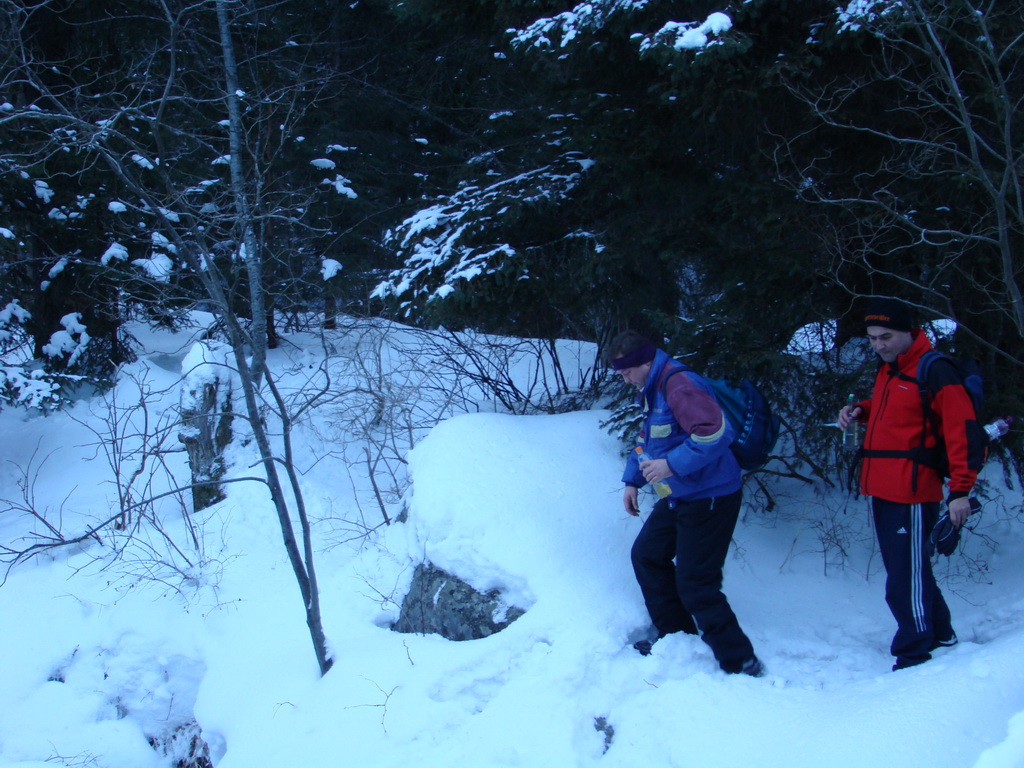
[[695, 438]]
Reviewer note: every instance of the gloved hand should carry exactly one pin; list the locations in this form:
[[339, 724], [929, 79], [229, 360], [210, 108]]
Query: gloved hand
[[945, 536]]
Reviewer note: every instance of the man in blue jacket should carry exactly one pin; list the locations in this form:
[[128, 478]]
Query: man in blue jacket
[[687, 439]]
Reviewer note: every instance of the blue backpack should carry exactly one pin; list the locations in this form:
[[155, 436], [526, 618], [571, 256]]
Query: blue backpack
[[749, 413]]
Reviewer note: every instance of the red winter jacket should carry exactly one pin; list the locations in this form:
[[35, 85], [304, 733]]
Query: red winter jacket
[[896, 420]]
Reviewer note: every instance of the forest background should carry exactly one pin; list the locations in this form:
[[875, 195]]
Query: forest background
[[720, 176], [716, 175]]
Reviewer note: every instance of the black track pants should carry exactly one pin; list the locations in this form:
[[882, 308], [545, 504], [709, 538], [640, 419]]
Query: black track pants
[[687, 594], [921, 613]]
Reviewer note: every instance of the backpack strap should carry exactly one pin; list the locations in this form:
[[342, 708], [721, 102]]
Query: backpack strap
[[924, 367], [671, 368]]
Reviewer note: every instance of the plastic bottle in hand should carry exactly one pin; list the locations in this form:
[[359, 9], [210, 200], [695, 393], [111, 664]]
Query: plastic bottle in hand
[[851, 435], [998, 428], [660, 488]]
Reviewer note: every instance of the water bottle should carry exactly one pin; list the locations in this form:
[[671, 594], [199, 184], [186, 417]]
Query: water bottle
[[660, 488], [851, 435], [998, 428]]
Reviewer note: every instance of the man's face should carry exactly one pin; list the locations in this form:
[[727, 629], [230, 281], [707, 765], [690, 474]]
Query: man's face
[[637, 375], [887, 343]]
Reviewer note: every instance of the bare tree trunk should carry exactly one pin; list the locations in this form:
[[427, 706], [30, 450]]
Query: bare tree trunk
[[206, 433], [254, 372], [187, 231], [253, 253]]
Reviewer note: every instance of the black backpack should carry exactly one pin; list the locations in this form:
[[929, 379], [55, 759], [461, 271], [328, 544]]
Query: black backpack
[[970, 374]]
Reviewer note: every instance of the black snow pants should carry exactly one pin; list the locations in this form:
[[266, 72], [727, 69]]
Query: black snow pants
[[687, 595]]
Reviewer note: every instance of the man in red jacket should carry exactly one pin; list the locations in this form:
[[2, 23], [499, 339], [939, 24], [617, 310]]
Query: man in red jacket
[[905, 483]]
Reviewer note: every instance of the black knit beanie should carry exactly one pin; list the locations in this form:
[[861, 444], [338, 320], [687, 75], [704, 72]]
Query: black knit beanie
[[889, 313]]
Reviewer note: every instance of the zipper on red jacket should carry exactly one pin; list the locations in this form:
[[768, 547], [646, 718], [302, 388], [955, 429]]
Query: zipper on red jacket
[[875, 416]]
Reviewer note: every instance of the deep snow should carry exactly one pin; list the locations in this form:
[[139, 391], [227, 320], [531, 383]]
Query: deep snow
[[97, 655]]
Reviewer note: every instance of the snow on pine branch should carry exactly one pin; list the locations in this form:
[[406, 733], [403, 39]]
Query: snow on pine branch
[[32, 388], [591, 17], [859, 13], [71, 342], [22, 381], [454, 239], [569, 25], [687, 36]]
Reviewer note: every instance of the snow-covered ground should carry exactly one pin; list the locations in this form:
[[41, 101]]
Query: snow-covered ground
[[100, 656]]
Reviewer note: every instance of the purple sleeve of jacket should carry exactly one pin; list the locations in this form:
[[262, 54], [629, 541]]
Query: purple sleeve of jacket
[[699, 414]]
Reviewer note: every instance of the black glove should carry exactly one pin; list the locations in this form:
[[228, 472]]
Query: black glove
[[945, 536]]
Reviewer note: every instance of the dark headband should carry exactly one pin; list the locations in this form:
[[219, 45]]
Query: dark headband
[[638, 356]]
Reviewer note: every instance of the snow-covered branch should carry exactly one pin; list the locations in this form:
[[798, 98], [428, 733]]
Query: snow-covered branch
[[452, 241]]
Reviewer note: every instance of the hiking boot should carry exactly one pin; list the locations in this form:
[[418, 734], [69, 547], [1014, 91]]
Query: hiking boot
[[903, 662], [753, 667], [644, 647]]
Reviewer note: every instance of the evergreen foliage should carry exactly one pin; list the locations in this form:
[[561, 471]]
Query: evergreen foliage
[[717, 175]]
